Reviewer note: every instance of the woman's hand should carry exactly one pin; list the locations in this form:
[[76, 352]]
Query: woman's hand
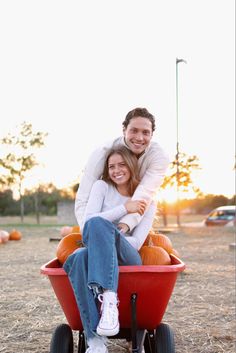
[[133, 206], [124, 228]]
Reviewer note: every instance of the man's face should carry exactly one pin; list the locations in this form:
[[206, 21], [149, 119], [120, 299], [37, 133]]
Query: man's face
[[138, 134]]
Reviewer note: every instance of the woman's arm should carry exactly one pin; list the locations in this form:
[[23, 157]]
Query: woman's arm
[[95, 203], [141, 231]]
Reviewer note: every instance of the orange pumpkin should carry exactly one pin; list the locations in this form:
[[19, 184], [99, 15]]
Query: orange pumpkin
[[158, 239], [65, 231], [68, 245], [75, 229], [15, 235], [154, 255]]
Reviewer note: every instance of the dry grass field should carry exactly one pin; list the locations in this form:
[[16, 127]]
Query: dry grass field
[[201, 310], [52, 220]]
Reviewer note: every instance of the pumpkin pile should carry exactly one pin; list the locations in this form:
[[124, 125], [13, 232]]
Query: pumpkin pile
[[67, 245], [156, 250], [12, 235]]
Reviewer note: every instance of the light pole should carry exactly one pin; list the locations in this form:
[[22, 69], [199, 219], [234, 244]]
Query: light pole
[[177, 138]]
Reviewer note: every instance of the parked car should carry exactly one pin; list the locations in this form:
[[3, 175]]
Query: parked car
[[221, 216]]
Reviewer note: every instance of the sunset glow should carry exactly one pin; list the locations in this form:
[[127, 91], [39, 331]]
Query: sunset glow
[[78, 81]]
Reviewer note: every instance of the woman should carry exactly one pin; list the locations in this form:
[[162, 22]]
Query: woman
[[93, 270]]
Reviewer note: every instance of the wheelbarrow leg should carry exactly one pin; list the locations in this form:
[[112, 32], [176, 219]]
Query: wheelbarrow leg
[[137, 336], [81, 343], [149, 343]]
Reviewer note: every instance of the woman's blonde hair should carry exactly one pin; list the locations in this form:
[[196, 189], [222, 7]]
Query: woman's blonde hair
[[131, 162]]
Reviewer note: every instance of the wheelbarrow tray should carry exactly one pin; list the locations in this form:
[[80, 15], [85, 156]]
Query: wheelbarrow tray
[[152, 285]]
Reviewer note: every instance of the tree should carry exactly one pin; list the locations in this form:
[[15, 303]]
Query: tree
[[185, 165], [21, 158]]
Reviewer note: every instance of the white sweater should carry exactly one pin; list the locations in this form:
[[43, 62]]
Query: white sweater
[[152, 167], [105, 201]]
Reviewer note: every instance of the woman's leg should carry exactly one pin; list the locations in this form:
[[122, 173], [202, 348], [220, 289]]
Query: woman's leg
[[96, 267], [76, 267], [106, 246], [100, 238], [92, 269], [127, 255]]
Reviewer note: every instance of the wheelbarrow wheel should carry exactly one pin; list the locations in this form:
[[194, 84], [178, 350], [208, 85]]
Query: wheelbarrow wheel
[[62, 340], [164, 339]]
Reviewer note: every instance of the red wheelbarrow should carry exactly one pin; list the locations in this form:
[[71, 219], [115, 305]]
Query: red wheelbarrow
[[143, 291]]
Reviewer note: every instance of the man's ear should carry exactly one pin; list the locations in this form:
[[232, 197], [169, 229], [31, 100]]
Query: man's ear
[[124, 129]]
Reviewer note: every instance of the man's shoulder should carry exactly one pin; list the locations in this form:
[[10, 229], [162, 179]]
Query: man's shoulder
[[156, 152], [155, 147], [154, 144], [107, 145], [97, 156]]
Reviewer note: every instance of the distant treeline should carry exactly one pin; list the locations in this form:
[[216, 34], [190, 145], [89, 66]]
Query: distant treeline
[[45, 200], [198, 205]]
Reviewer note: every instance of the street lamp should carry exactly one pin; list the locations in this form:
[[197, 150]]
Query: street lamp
[[177, 138]]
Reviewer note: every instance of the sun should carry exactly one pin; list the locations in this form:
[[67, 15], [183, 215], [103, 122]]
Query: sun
[[170, 195], [167, 195]]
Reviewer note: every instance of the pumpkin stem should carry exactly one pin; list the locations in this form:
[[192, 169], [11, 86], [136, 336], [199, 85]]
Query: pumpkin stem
[[150, 242], [79, 243]]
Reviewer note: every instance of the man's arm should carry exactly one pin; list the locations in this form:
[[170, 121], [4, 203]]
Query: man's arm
[[149, 184], [93, 172]]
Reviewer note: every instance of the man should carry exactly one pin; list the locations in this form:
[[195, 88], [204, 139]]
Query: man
[[138, 128]]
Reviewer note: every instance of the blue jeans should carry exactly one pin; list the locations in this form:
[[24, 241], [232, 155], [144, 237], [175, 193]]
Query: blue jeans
[[95, 267]]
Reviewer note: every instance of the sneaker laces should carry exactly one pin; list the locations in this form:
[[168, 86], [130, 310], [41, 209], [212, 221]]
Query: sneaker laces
[[108, 310]]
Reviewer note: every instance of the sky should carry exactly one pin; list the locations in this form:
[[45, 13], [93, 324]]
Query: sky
[[75, 68]]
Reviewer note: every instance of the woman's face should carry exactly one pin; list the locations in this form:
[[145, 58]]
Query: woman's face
[[118, 171]]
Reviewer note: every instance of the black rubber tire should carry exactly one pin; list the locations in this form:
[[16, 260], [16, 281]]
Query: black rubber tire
[[164, 339], [62, 340]]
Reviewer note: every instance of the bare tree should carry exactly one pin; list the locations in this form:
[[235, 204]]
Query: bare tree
[[16, 164], [186, 166]]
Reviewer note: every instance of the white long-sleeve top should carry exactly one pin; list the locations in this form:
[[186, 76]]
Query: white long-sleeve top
[[152, 167], [106, 202]]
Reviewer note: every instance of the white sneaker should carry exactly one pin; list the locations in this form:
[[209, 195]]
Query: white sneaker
[[96, 345], [109, 322], [96, 350]]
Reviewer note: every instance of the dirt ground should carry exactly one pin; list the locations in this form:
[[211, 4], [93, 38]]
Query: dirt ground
[[201, 310]]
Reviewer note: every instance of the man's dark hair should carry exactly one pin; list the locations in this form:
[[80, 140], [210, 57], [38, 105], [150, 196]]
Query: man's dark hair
[[139, 112]]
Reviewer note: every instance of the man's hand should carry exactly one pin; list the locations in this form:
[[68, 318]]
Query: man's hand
[[123, 227], [138, 206]]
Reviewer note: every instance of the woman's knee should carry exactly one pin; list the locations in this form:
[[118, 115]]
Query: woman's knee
[[95, 221], [97, 227], [81, 257]]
